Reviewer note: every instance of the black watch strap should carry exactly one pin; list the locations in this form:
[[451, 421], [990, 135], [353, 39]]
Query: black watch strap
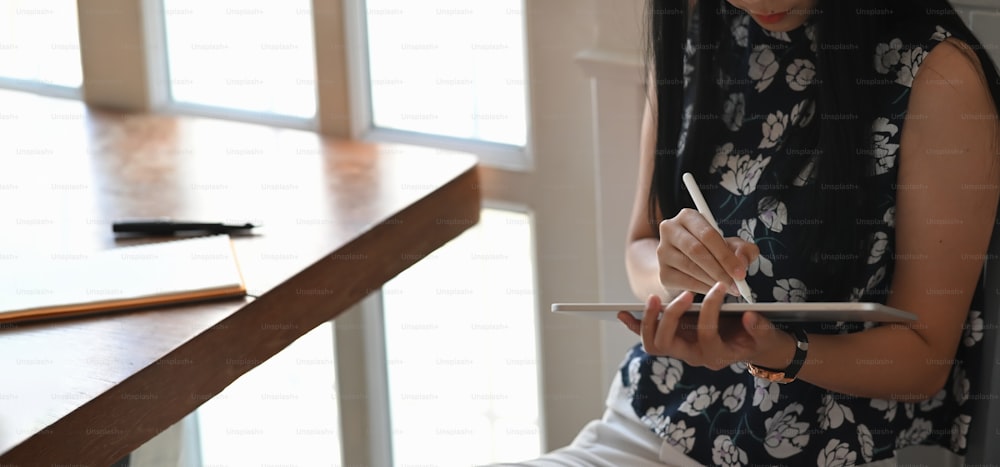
[[801, 349]]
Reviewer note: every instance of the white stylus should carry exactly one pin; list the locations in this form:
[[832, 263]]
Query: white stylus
[[699, 202]]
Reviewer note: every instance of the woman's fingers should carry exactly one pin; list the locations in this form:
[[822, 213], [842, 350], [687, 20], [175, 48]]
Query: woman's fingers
[[746, 251], [706, 339], [708, 328], [690, 246], [678, 272], [647, 329], [629, 321], [726, 264], [666, 333], [698, 241]]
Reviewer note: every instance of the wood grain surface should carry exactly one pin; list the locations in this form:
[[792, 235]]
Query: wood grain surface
[[338, 219]]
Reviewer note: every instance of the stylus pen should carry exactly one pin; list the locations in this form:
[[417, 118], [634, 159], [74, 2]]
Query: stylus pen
[[699, 202], [168, 227]]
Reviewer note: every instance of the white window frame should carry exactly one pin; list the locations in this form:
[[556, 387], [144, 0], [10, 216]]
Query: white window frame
[[495, 155], [42, 88], [155, 35]]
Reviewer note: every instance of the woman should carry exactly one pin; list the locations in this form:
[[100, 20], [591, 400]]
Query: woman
[[848, 151]]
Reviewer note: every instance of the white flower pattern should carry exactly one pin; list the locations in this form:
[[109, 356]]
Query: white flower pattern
[[800, 74], [680, 436], [916, 434], [772, 213], [810, 32], [890, 217], [761, 263], [763, 67], [960, 385], [832, 414], [973, 329], [910, 62], [734, 110], [666, 373], [807, 174], [699, 400], [836, 454], [803, 112], [740, 31], [727, 454], [934, 402], [721, 159], [786, 435], [790, 290], [734, 396], [879, 242], [940, 34], [765, 394], [866, 441], [743, 173], [633, 376], [959, 431], [781, 36], [883, 135], [887, 56], [886, 405], [773, 128], [656, 418]]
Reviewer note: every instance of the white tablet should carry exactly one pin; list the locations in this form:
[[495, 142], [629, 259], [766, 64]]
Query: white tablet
[[810, 311]]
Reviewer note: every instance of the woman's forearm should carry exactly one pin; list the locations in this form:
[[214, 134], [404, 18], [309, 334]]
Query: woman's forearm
[[887, 362], [644, 270]]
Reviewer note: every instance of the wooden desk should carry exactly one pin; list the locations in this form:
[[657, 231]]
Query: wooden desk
[[340, 218]]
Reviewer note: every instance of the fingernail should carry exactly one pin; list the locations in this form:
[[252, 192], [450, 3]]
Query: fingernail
[[734, 291]]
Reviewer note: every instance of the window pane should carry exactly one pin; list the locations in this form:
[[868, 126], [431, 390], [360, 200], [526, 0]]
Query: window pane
[[283, 412], [40, 41], [252, 55], [460, 342], [448, 67]]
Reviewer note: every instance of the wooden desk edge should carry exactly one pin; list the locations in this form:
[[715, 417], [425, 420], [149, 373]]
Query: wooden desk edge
[[429, 223]]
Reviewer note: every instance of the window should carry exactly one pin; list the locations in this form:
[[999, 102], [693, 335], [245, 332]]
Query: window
[[284, 412], [254, 56], [40, 44], [449, 68], [460, 343]]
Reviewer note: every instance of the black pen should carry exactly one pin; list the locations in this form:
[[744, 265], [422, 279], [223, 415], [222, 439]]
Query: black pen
[[168, 227]]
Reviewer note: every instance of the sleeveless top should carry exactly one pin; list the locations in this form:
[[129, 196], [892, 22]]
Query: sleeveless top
[[728, 417]]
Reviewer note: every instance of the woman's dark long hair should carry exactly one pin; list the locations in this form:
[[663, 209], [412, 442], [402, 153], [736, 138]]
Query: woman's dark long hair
[[845, 39]]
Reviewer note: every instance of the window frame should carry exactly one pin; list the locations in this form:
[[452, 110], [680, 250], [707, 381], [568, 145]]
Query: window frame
[[41, 88], [158, 66], [47, 89], [494, 155]]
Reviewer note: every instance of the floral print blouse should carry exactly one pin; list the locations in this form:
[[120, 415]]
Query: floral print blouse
[[728, 417]]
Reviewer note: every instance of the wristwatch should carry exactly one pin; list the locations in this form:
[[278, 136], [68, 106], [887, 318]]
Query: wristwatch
[[788, 374]]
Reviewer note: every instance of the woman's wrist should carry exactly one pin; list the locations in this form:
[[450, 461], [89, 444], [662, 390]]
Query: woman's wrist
[[779, 355]]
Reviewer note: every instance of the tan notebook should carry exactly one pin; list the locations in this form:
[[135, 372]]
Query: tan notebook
[[160, 273]]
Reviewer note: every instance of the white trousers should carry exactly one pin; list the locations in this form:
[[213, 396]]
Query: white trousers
[[620, 439]]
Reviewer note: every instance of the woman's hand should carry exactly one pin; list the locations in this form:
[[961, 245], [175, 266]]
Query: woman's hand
[[706, 340], [694, 256]]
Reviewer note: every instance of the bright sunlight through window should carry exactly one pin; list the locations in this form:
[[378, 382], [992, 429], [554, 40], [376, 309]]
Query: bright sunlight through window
[[449, 67], [284, 412], [40, 42], [460, 340], [249, 55]]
